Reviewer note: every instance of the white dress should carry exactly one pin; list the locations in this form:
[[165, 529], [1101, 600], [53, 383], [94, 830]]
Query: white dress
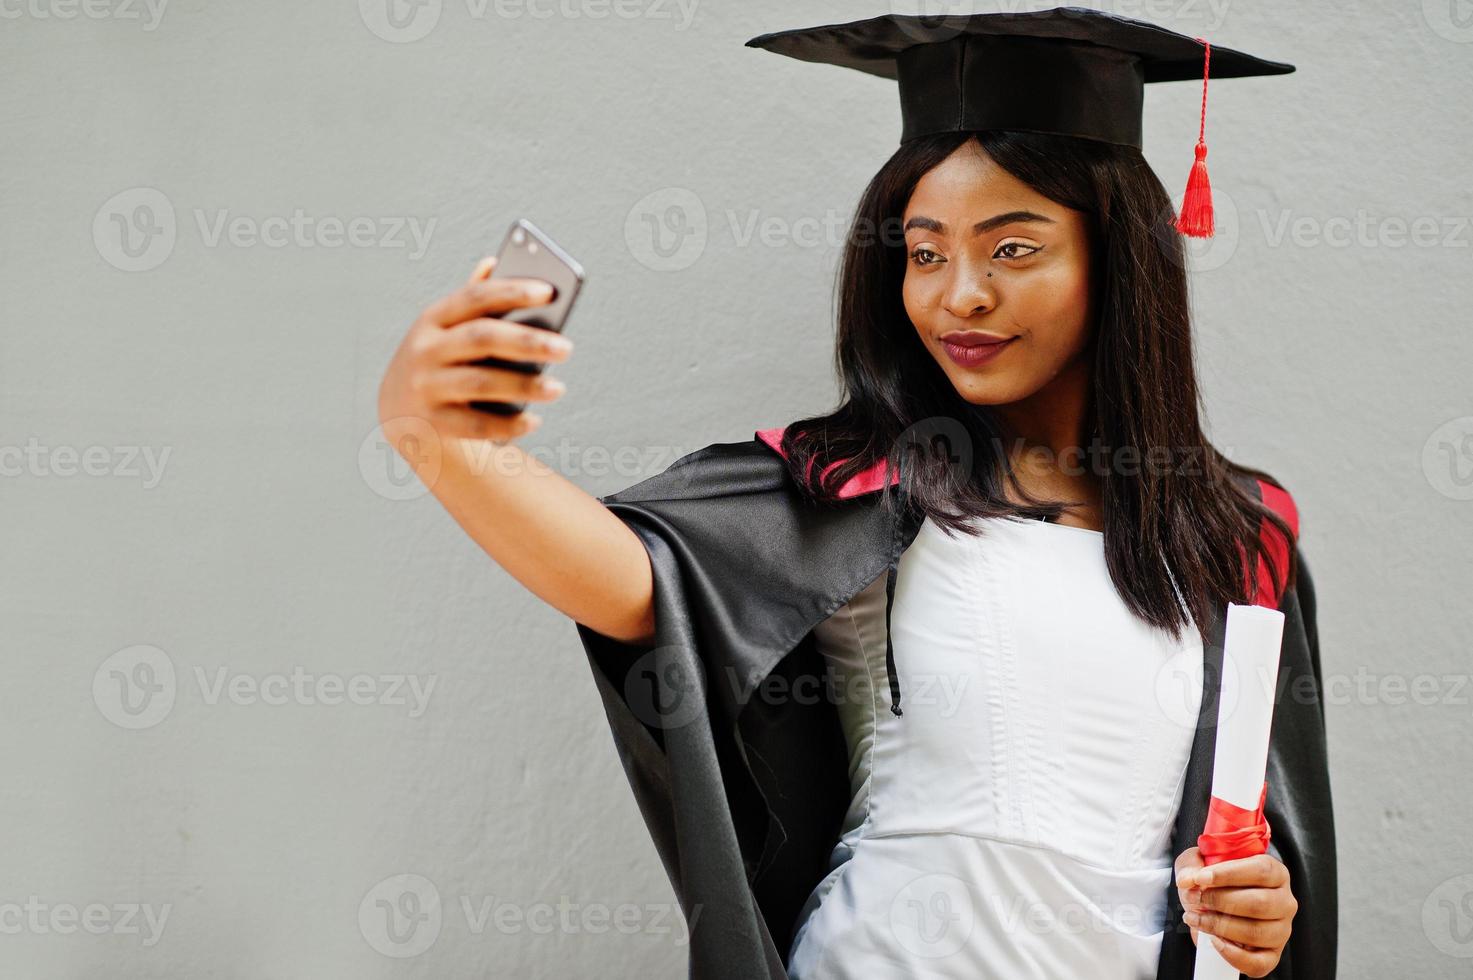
[[1016, 820]]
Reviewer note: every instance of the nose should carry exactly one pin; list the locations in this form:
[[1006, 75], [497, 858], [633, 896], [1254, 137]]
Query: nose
[[969, 292]]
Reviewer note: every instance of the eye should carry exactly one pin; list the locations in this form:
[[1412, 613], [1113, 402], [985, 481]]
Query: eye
[[1005, 246], [920, 250]]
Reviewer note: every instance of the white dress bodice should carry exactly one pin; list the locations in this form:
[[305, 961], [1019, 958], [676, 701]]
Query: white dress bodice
[[1016, 820]]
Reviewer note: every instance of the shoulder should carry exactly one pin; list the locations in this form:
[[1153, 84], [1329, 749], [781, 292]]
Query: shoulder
[[1278, 499], [717, 469], [869, 480], [1271, 492], [753, 465], [1273, 545]]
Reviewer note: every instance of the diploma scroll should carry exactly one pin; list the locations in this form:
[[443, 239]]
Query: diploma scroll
[[1245, 709]]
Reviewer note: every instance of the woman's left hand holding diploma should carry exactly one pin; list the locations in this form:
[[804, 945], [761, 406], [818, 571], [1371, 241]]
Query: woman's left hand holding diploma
[[1244, 905]]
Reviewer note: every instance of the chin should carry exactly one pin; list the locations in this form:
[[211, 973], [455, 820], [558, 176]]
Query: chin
[[977, 390]]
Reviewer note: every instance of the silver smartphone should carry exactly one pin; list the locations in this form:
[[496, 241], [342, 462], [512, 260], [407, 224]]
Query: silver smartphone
[[527, 252]]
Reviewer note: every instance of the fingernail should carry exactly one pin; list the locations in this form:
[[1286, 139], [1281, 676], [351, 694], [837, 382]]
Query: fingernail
[[553, 342], [554, 385], [1194, 895], [1191, 918], [540, 290]]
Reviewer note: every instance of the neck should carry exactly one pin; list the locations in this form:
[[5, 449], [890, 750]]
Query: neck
[[1055, 418], [1046, 436]]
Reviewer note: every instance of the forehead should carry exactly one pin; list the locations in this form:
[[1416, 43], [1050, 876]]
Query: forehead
[[968, 182]]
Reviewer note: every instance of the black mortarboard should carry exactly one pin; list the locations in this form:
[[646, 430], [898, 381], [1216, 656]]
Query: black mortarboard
[[1066, 70]]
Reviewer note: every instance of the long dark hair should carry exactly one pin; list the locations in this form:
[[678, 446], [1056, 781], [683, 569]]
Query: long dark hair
[[1181, 526]]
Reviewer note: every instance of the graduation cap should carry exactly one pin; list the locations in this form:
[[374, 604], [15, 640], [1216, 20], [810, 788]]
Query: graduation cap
[[1067, 70]]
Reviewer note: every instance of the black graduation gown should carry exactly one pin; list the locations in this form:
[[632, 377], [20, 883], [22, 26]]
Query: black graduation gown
[[736, 756]]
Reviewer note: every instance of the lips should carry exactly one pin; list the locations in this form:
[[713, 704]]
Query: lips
[[972, 348], [972, 338]]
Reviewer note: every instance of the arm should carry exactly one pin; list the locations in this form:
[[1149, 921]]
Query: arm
[[559, 541]]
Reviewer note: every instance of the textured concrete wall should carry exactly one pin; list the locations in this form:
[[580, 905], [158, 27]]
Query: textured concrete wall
[[253, 674]]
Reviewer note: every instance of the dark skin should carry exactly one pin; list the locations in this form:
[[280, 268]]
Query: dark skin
[[987, 252], [1027, 277]]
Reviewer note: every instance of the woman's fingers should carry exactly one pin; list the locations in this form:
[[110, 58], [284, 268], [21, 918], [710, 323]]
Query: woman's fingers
[[1259, 869], [486, 337], [433, 375], [1248, 961], [460, 422], [1243, 907], [483, 269], [468, 383], [1187, 864], [1246, 901], [480, 297], [1254, 933]]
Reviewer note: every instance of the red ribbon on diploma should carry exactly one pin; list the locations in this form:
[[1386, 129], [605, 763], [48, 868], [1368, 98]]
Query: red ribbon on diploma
[[1232, 832]]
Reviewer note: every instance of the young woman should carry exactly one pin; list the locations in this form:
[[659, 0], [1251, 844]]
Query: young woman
[[1023, 295]]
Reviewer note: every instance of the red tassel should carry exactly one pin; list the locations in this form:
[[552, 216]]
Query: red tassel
[[1196, 206]]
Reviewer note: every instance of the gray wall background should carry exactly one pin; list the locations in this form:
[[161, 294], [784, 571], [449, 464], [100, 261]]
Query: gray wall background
[[196, 502]]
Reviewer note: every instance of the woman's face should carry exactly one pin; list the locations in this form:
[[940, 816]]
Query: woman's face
[[987, 253]]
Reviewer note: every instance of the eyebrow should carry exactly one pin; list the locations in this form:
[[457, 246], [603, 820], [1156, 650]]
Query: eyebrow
[[981, 227]]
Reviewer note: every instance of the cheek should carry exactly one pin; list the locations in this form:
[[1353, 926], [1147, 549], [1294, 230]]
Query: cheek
[[913, 294], [1058, 308]]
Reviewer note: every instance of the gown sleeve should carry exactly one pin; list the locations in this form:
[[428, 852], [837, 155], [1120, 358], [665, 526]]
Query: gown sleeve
[[741, 573], [674, 739], [1298, 807]]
